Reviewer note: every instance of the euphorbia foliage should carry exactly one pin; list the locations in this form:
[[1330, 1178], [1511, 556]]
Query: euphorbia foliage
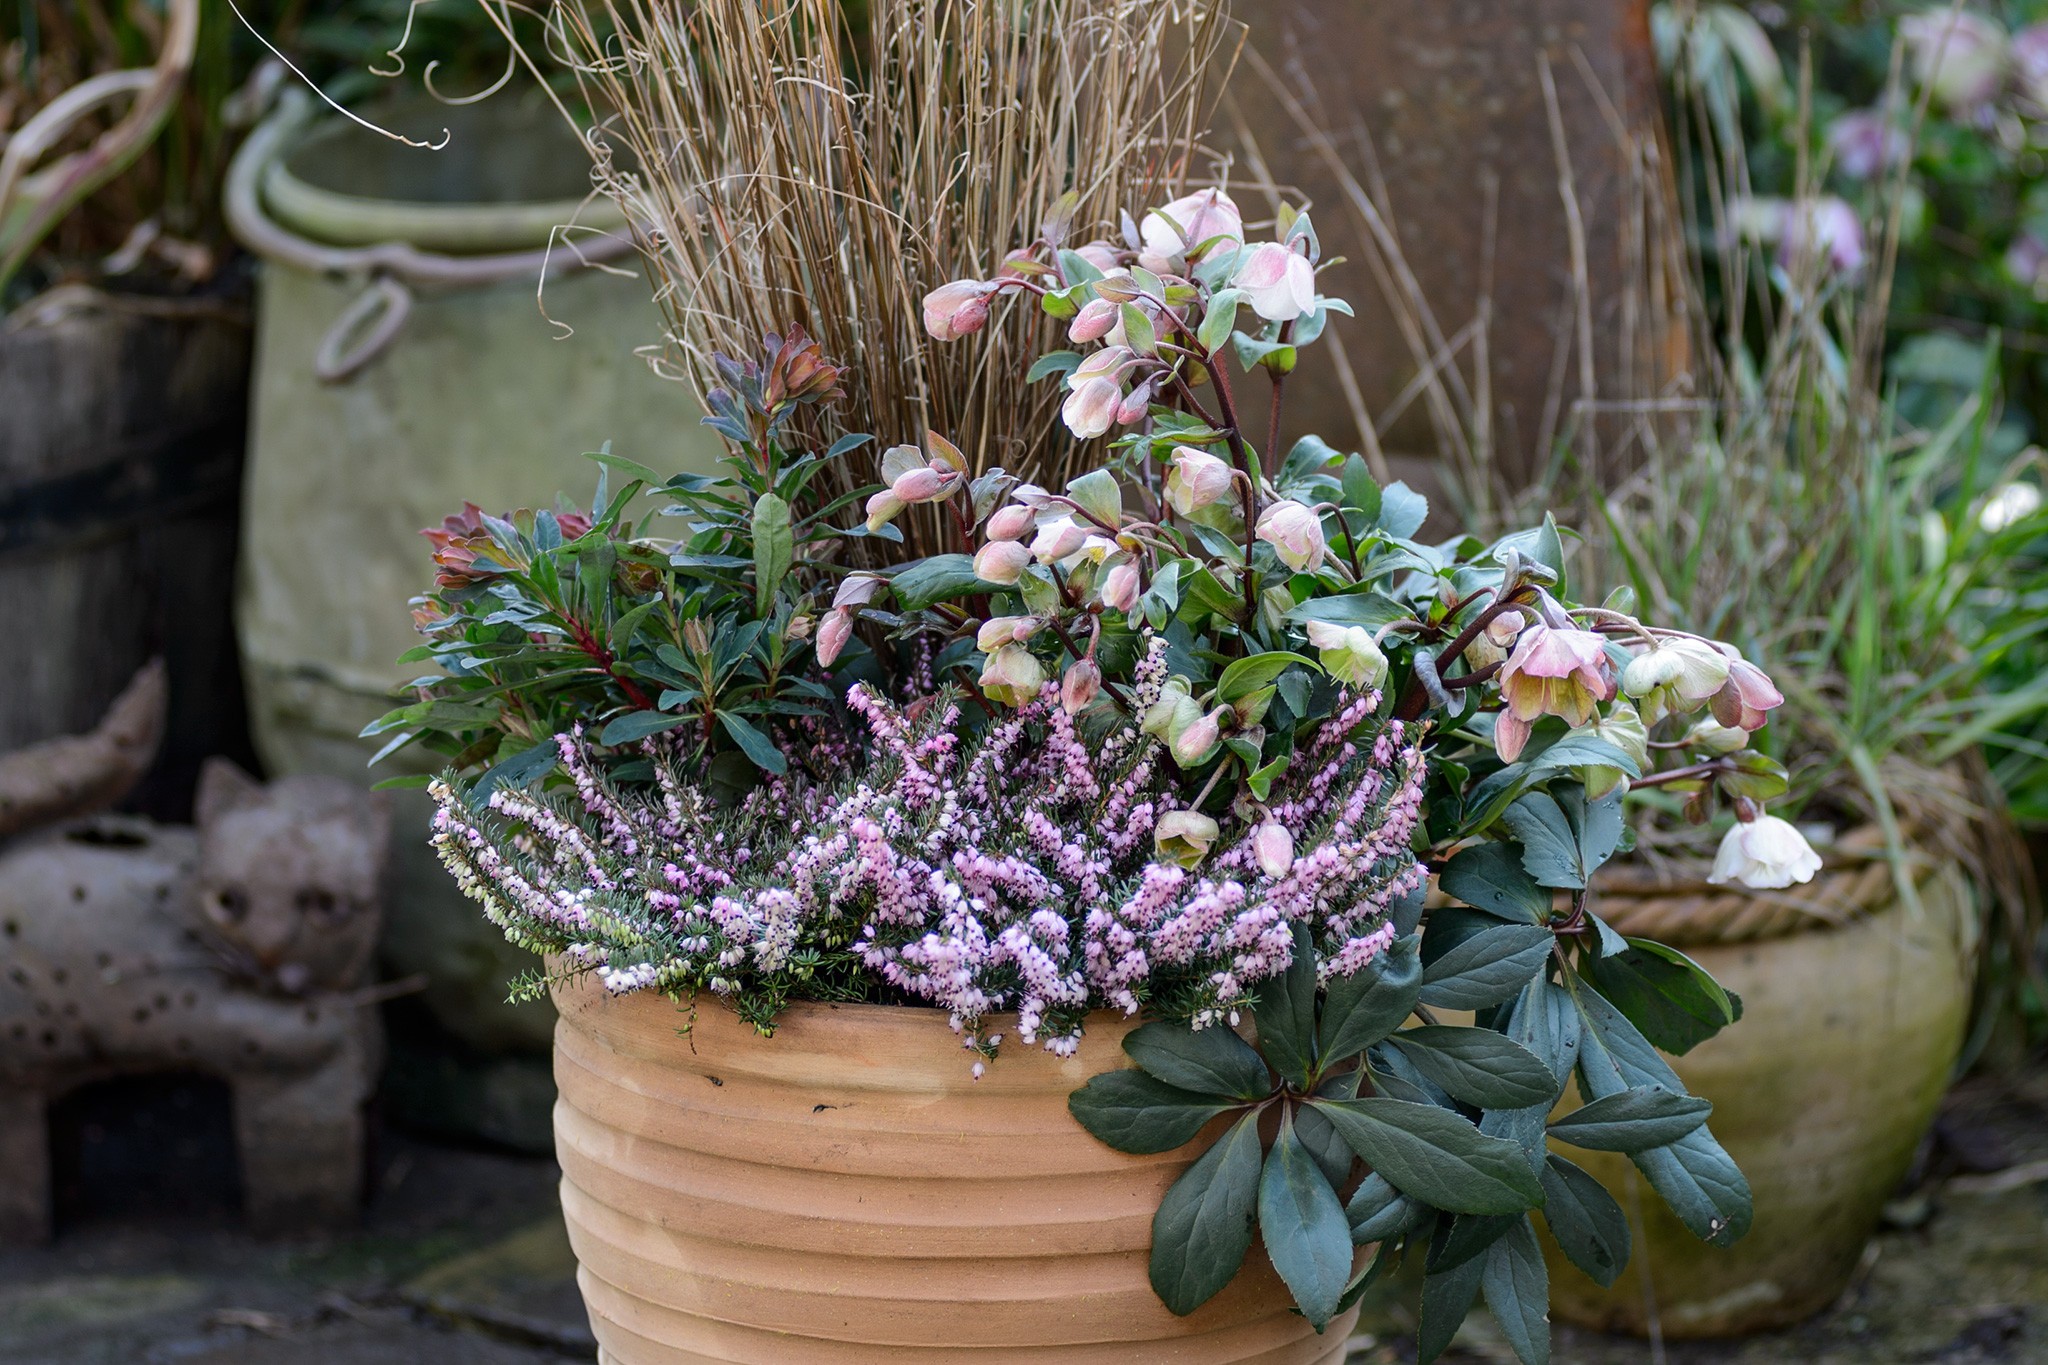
[[1184, 737]]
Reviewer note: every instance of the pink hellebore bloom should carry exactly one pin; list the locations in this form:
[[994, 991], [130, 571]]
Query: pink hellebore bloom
[[1093, 322], [1747, 698], [1120, 587], [2030, 62], [1001, 561], [1674, 678], [1009, 523], [921, 485], [953, 310], [1184, 836], [1866, 142], [1082, 682], [1554, 671], [833, 633], [1196, 479], [1766, 853], [1012, 676], [1101, 255], [1296, 534], [1194, 744], [1273, 846], [1278, 282], [1958, 55], [1189, 221], [1058, 539], [1090, 410], [1828, 227], [882, 509], [998, 631]]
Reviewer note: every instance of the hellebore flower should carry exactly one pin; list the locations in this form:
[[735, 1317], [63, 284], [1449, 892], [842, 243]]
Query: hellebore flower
[[1184, 836], [1013, 675], [1009, 523], [1273, 847], [1277, 281], [1189, 221], [1082, 681], [1348, 653], [1958, 55], [1120, 587], [1296, 534], [922, 485], [1058, 539], [953, 310], [998, 631], [1196, 742], [1827, 226], [1766, 853], [1090, 410], [1710, 736], [1093, 322], [833, 633], [1675, 677], [1554, 671], [1100, 254], [1866, 142], [882, 509], [2030, 61], [1174, 712], [1747, 698], [1001, 561], [1196, 479]]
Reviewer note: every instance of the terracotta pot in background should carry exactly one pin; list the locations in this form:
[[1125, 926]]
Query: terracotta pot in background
[[1821, 1094], [847, 1192]]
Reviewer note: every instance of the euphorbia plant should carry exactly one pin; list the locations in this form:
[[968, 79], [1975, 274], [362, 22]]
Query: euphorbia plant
[[1185, 737]]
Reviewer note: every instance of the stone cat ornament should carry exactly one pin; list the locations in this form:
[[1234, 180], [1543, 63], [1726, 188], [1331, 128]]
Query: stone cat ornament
[[234, 949]]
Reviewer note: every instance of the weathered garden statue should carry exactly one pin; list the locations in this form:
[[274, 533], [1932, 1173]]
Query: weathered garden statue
[[236, 949]]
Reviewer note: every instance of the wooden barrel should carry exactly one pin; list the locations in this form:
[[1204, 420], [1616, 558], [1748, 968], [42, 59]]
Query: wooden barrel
[[121, 438], [847, 1193]]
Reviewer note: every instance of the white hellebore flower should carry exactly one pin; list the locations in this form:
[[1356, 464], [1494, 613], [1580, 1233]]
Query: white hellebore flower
[[1278, 282], [1090, 410], [1349, 653], [1296, 534], [1766, 853], [1196, 479], [1189, 221]]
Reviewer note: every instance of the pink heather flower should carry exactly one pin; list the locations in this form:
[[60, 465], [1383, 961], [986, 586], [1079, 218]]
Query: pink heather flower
[[1093, 322], [1184, 836], [833, 634], [953, 310], [1082, 682], [1673, 678], [1120, 587], [1958, 55], [1013, 675], [1058, 539], [1273, 846], [1277, 281], [1090, 410], [1196, 479], [1001, 561], [1555, 671], [1009, 523], [1189, 221], [1747, 697], [1766, 853], [1296, 534], [1866, 142]]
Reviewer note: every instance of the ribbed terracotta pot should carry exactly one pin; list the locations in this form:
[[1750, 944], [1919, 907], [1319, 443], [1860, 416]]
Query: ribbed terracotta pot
[[847, 1192], [1821, 1094]]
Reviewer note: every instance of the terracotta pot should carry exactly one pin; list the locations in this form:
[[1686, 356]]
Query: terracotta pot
[[1821, 1094], [847, 1192]]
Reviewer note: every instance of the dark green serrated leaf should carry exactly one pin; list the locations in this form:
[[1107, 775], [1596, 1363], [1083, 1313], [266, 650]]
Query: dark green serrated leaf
[[937, 578], [1589, 1226], [1303, 1227], [1209, 1061], [1436, 1155], [1477, 1066], [1550, 846], [1486, 968], [1446, 1301], [1517, 1289], [1632, 1120], [1133, 1112], [1467, 1235], [1379, 1212], [1361, 490], [1325, 1144], [1664, 993], [1204, 1225], [1547, 1023], [1373, 1001]]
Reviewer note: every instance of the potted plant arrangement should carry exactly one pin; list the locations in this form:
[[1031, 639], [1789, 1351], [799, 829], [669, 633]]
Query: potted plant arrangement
[[1023, 947]]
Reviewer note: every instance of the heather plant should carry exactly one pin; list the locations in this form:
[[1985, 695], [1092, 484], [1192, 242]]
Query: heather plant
[[1184, 737]]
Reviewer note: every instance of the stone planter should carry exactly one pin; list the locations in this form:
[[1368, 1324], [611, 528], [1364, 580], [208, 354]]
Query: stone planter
[[1853, 1013], [847, 1192]]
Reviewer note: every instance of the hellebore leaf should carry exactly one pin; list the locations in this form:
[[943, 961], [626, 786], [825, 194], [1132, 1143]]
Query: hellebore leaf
[[1204, 1224], [1133, 1112]]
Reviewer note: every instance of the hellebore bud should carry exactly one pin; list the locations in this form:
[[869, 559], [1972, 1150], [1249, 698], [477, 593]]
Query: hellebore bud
[[1001, 561]]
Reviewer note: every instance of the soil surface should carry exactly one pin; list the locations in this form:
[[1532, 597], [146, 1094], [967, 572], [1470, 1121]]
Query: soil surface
[[461, 1261]]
